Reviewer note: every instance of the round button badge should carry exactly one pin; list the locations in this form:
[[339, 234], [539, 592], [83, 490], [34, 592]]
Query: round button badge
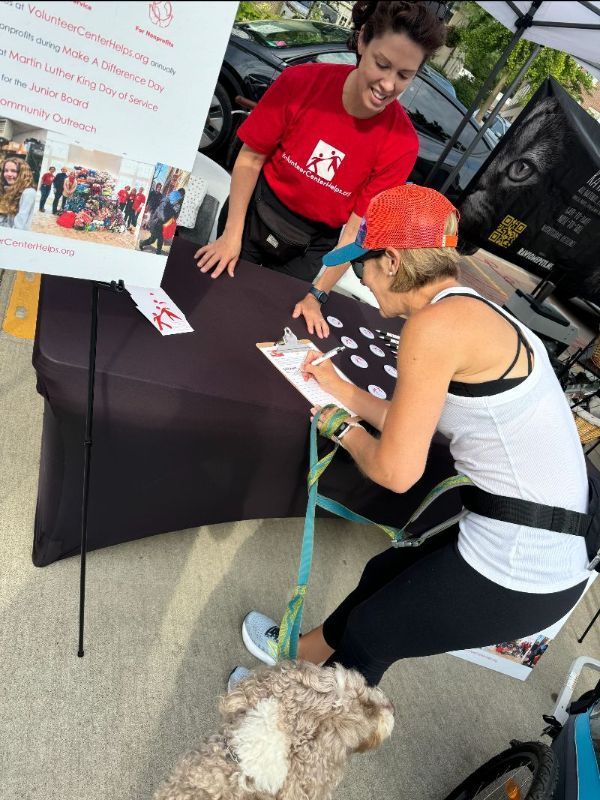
[[376, 350], [346, 340], [377, 391], [359, 362], [335, 322], [367, 333], [391, 370]]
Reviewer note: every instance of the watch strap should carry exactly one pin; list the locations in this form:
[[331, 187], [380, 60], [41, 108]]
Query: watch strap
[[319, 294]]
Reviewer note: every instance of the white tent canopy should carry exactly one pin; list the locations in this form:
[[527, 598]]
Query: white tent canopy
[[567, 25]]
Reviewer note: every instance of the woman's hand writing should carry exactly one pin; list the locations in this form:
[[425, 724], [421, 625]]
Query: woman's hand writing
[[324, 373], [220, 255]]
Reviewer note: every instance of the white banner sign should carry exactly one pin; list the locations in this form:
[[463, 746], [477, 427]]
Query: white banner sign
[[102, 106]]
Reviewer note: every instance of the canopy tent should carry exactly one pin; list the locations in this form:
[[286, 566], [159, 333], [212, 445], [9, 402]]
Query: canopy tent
[[572, 26]]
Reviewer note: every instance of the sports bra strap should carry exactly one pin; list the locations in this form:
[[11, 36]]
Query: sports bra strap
[[522, 340]]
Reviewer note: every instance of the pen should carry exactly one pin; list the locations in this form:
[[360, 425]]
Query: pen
[[389, 335], [325, 356]]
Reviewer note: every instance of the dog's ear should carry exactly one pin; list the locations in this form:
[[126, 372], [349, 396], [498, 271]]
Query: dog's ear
[[262, 747]]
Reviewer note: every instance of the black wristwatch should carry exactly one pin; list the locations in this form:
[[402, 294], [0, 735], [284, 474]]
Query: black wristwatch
[[321, 296]]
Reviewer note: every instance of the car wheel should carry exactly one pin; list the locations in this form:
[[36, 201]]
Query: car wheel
[[218, 122]]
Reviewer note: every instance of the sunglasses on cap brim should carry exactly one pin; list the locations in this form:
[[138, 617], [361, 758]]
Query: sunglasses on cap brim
[[358, 264]]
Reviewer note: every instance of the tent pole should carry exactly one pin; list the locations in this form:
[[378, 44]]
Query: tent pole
[[521, 25], [489, 121]]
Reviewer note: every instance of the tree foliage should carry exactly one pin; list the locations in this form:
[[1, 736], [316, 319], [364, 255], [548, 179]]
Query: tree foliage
[[249, 11], [482, 42]]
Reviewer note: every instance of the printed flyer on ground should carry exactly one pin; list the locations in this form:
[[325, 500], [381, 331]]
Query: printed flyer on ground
[[102, 106], [519, 657]]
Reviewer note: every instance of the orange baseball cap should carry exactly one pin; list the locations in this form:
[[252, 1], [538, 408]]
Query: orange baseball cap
[[403, 217]]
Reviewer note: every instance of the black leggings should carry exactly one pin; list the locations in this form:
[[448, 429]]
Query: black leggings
[[413, 602]]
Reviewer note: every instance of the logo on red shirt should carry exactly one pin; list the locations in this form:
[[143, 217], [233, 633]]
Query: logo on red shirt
[[325, 160]]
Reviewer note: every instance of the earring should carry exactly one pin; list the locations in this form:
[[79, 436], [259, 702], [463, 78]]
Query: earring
[[390, 273]]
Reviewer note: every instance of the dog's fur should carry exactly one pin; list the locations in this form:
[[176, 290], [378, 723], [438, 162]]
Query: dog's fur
[[287, 733]]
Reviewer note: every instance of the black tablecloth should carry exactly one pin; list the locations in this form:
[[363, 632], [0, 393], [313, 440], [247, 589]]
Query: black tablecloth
[[196, 428]]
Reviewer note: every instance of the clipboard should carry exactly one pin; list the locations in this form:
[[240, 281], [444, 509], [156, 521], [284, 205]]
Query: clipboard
[[287, 356]]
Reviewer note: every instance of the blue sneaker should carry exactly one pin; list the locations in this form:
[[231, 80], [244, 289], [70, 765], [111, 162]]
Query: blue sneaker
[[260, 635], [236, 675]]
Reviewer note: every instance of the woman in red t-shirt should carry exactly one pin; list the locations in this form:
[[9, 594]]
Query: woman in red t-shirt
[[323, 140], [137, 206]]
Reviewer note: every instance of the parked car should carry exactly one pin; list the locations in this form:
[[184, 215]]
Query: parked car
[[440, 80], [259, 51], [498, 127]]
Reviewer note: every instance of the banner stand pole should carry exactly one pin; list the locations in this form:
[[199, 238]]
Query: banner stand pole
[[114, 286]]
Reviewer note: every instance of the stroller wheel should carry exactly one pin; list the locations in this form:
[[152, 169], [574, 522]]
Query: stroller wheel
[[527, 771]]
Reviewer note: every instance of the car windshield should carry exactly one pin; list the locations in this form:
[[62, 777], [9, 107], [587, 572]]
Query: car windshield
[[281, 34]]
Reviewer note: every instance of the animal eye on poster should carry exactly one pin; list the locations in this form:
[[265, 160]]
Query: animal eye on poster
[[536, 200], [102, 106]]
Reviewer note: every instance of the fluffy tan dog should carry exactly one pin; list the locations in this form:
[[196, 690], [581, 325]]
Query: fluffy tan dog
[[287, 733]]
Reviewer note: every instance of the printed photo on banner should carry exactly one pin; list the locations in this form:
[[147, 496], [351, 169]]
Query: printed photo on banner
[[523, 651], [166, 197], [90, 195], [21, 155]]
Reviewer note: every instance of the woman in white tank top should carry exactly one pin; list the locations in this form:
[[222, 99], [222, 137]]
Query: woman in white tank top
[[469, 370]]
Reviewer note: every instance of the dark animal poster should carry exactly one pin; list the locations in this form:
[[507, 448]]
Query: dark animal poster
[[536, 201]]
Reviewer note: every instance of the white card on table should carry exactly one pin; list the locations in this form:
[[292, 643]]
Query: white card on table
[[160, 310]]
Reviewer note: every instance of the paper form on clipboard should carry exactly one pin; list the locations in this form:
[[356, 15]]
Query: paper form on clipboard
[[289, 363]]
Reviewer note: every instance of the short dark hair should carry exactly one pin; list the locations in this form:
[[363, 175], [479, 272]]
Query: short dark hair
[[418, 20]]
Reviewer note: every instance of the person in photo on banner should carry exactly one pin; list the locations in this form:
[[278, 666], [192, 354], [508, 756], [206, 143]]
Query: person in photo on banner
[[136, 208], [69, 189], [323, 140], [17, 193], [122, 197], [59, 185], [163, 220], [470, 371], [45, 187]]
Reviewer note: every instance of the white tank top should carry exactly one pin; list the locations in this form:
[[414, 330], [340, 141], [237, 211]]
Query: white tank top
[[520, 443]]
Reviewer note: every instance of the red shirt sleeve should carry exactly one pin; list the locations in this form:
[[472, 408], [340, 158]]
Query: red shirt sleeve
[[395, 163], [264, 127]]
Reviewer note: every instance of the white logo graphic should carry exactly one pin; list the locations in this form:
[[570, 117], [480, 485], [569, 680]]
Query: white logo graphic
[[325, 160]]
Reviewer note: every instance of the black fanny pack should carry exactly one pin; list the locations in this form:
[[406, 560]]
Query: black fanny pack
[[537, 515], [273, 233]]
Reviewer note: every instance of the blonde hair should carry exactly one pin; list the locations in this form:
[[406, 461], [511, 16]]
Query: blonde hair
[[10, 196], [422, 265]]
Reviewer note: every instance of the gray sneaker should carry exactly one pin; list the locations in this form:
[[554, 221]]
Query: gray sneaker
[[236, 675], [260, 635]]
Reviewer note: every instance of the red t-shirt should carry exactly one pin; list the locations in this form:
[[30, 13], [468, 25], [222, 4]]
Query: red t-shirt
[[122, 194], [138, 202], [47, 178], [322, 162]]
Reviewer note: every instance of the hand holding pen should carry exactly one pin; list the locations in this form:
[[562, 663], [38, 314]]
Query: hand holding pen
[[316, 366]]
